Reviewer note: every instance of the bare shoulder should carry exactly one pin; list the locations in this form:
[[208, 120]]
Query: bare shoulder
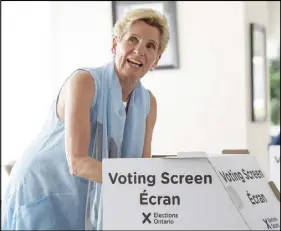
[[80, 79], [79, 87]]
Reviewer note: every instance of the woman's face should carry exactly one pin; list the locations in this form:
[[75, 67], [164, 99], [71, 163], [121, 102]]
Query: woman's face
[[137, 52]]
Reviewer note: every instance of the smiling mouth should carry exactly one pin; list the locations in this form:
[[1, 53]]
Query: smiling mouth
[[134, 63]]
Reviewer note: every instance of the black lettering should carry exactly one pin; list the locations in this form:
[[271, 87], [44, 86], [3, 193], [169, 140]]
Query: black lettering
[[232, 176], [208, 179], [122, 179], [223, 176], [130, 176], [151, 200], [250, 198], [273, 219], [235, 176], [266, 222], [189, 179], [143, 198], [257, 198], [166, 200], [158, 200], [151, 180], [176, 200], [173, 177], [253, 174], [113, 179], [239, 177], [245, 173], [181, 178], [228, 177], [260, 174], [146, 218], [198, 179], [165, 178], [263, 198], [141, 179]]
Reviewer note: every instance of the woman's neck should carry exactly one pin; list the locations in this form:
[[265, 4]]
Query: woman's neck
[[127, 88], [127, 85]]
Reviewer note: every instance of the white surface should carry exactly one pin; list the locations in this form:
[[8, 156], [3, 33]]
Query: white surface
[[121, 202], [274, 160], [25, 74], [252, 213]]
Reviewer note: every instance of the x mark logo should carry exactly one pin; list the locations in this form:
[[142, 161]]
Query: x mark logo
[[146, 218], [266, 222]]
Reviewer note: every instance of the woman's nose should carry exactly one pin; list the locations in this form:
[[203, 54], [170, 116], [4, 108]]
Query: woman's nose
[[139, 50]]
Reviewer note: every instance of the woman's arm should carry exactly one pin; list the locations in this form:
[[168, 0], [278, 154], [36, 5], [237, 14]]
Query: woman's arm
[[78, 97], [150, 123]]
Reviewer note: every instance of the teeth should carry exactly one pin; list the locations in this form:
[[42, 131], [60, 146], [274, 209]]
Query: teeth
[[135, 61]]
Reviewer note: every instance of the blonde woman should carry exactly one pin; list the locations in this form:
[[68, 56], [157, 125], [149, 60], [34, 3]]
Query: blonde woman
[[99, 113]]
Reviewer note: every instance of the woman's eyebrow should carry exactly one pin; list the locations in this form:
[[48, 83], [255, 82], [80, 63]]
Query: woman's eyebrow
[[150, 40], [134, 35]]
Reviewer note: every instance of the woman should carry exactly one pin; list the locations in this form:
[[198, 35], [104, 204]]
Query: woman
[[57, 183]]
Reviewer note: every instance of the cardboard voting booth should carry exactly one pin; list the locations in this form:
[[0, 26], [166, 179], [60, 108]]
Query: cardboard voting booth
[[189, 191], [249, 190]]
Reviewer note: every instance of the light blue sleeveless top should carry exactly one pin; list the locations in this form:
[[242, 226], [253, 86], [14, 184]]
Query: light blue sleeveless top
[[42, 194]]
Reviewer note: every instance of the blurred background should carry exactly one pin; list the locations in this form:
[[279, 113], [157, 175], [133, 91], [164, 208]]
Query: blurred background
[[203, 105]]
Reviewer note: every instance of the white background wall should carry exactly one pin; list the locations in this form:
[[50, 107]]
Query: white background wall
[[204, 105], [26, 86], [273, 27], [257, 133], [201, 106], [81, 36]]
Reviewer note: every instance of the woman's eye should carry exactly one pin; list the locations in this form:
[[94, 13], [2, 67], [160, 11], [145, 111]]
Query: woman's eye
[[150, 45], [132, 39]]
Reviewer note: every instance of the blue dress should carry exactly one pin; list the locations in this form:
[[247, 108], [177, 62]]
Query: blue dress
[[42, 194]]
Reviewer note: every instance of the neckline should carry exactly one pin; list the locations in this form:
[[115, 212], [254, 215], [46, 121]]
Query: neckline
[[116, 78]]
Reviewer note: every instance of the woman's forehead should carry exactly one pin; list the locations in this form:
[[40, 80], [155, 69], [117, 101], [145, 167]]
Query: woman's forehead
[[143, 30]]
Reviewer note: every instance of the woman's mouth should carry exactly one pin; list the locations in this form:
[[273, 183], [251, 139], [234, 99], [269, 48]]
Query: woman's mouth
[[134, 63]]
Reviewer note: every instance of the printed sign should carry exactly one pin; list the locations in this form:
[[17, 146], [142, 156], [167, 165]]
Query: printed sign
[[274, 162], [166, 194], [249, 190]]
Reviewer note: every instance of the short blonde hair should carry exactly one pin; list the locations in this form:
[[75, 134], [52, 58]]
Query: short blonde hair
[[149, 16]]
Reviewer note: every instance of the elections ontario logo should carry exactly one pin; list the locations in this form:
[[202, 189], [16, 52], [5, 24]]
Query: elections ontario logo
[[159, 218], [272, 223]]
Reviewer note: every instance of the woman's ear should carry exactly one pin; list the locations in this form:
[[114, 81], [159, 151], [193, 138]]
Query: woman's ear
[[114, 44], [155, 63]]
